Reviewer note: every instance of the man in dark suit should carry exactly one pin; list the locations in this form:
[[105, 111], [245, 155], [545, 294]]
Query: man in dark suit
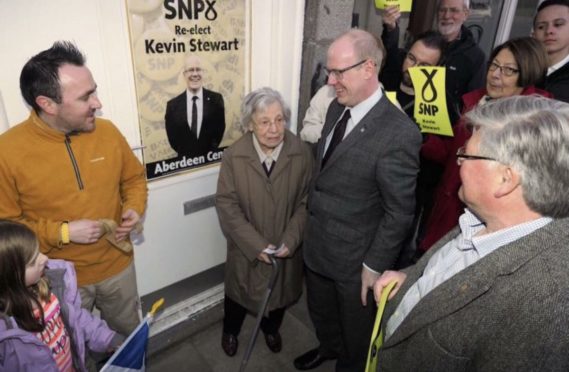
[[361, 202], [493, 294], [195, 120]]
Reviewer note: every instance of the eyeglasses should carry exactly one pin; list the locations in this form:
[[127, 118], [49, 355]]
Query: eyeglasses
[[504, 70], [452, 11], [266, 123], [461, 156], [339, 74], [416, 62], [193, 70]]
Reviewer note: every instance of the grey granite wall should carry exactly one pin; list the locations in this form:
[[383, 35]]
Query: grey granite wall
[[324, 20]]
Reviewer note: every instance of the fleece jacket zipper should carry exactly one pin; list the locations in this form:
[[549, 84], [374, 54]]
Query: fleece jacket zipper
[[73, 162]]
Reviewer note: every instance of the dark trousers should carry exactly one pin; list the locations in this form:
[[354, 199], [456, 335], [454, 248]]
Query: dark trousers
[[343, 325], [235, 315]]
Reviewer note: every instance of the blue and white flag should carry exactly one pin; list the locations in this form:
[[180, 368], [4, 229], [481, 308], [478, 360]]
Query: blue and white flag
[[130, 357]]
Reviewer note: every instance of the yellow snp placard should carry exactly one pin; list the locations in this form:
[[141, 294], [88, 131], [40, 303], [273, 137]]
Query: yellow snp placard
[[404, 5], [431, 112], [392, 97]]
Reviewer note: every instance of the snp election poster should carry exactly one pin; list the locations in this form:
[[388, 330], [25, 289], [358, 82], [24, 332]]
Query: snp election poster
[[189, 65]]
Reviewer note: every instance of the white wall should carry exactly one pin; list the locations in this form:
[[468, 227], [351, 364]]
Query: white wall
[[174, 246]]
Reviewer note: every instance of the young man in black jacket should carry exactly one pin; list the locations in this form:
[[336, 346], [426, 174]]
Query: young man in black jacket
[[551, 27]]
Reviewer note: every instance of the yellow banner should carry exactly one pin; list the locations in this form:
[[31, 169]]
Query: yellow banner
[[431, 112], [404, 5], [392, 97]]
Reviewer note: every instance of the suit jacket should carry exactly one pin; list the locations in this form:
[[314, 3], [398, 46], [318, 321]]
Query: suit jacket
[[447, 207], [507, 312], [361, 203], [181, 138]]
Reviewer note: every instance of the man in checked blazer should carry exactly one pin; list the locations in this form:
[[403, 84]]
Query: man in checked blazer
[[493, 295], [208, 118], [361, 203]]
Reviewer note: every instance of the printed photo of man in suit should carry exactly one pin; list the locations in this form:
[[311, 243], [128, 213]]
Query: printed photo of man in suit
[[195, 120], [493, 294], [361, 202]]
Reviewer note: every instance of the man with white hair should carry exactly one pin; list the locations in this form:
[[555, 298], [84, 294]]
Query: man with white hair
[[464, 60], [493, 294]]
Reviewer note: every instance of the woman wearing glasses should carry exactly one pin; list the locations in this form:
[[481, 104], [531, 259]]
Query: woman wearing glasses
[[261, 204], [515, 68]]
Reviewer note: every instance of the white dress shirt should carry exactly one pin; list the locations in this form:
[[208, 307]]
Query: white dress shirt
[[199, 105]]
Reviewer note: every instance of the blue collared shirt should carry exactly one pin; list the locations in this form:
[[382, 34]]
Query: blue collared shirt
[[459, 253]]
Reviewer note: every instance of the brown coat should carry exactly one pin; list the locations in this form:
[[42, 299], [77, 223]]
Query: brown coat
[[255, 211]]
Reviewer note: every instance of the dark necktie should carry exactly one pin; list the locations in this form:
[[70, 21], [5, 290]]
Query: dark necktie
[[268, 170], [194, 123], [337, 137]]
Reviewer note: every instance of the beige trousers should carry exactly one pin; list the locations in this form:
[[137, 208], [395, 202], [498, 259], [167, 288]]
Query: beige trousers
[[117, 299]]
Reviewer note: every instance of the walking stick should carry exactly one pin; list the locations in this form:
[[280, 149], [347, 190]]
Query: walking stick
[[271, 285]]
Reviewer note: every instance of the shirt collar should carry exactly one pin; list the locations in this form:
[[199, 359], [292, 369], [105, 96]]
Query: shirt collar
[[471, 225], [262, 156], [199, 94], [361, 109], [558, 65]]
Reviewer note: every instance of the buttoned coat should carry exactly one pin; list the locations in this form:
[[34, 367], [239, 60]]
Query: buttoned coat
[[507, 312], [256, 210], [361, 203]]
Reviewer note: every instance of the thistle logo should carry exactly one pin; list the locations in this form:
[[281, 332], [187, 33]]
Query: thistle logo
[[429, 83], [428, 90]]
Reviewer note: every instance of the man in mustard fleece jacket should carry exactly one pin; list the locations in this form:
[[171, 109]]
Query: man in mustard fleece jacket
[[63, 170]]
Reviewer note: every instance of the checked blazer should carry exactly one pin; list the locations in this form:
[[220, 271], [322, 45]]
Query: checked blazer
[[361, 203]]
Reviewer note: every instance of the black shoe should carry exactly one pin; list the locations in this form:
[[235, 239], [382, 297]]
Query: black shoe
[[311, 360], [274, 341], [229, 344]]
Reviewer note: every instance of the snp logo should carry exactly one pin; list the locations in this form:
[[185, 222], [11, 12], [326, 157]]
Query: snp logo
[[190, 9]]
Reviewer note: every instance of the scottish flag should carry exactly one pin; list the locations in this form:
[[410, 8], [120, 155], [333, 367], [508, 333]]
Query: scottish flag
[[130, 356]]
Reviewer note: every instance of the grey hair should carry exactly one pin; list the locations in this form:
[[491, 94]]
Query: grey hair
[[530, 134], [259, 100], [366, 45], [465, 3]]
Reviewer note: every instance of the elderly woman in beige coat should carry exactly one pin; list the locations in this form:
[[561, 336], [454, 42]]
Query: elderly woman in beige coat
[[261, 204]]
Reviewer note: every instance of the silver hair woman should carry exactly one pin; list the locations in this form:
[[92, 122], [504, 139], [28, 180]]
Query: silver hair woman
[[258, 100], [531, 134], [261, 204]]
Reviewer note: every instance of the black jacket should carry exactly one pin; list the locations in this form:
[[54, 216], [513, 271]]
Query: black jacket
[[180, 137], [558, 83], [464, 60], [391, 76], [466, 66]]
